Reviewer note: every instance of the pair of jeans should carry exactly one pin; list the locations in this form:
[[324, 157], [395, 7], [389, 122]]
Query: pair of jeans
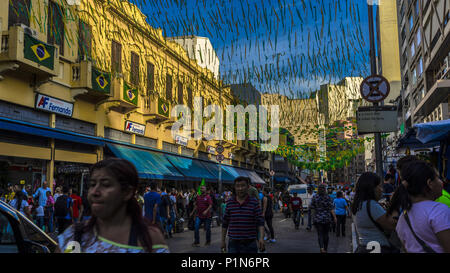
[[172, 221], [268, 221], [296, 215], [340, 225], [322, 233], [198, 223], [49, 216], [164, 222], [40, 221], [309, 219], [242, 246]]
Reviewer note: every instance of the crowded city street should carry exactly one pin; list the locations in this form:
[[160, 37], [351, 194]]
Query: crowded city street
[[225, 128]]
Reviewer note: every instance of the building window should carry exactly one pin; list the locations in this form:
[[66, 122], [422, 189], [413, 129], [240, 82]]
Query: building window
[[189, 91], [84, 41], [180, 92], [414, 76], [169, 87], [403, 33], [19, 12], [116, 57], [418, 37], [413, 50], [150, 76], [55, 30], [411, 22], [420, 67], [169, 147], [416, 8], [134, 75]]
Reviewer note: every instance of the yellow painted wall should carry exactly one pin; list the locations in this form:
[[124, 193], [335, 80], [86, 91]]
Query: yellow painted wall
[[9, 149], [69, 156], [390, 53]]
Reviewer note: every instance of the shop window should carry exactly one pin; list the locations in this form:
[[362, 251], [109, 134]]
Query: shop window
[[19, 12], [74, 125], [180, 92], [169, 147], [189, 92], [187, 152], [17, 112], [150, 76], [55, 29], [117, 135], [145, 141]]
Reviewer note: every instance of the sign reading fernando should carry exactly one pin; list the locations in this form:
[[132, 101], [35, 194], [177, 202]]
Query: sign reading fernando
[[38, 52], [130, 94], [46, 103], [134, 128]]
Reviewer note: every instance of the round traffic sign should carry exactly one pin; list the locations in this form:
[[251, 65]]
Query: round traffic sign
[[272, 173], [220, 157], [375, 88], [220, 149]]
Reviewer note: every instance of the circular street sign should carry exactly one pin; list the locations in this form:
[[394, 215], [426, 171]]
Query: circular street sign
[[220, 149], [375, 88], [272, 173], [220, 157]]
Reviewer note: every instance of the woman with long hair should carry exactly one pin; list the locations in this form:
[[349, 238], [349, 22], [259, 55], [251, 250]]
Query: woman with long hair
[[424, 226], [371, 220], [116, 224], [323, 216], [20, 203]]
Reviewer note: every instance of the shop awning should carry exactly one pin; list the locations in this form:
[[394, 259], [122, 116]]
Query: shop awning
[[410, 140], [254, 177], [150, 165], [192, 169], [282, 179], [433, 131], [228, 176], [39, 130]]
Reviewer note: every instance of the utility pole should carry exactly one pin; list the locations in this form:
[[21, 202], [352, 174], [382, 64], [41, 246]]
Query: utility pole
[[373, 70]]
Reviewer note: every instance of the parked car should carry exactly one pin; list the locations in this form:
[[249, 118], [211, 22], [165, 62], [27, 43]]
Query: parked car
[[20, 235]]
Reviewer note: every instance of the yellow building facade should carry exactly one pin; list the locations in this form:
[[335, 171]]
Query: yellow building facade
[[114, 78]]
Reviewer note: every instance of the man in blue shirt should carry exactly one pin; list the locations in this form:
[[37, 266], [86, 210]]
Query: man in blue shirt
[[341, 207], [41, 193], [151, 202]]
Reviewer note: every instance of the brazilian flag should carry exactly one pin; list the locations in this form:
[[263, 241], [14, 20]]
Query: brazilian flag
[[130, 94], [163, 107], [38, 52], [101, 81]]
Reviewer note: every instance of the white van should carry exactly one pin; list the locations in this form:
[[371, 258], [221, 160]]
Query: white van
[[301, 190]]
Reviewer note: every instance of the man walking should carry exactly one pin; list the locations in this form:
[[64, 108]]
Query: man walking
[[151, 202], [309, 197], [243, 220], [203, 206], [296, 206], [41, 194]]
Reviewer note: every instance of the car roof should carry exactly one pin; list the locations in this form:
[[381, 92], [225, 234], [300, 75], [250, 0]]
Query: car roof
[[8, 209]]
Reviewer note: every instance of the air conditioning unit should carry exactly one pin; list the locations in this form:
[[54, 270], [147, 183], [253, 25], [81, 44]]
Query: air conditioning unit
[[28, 30]]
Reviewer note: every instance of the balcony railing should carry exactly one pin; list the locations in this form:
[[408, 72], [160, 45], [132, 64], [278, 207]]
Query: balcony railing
[[5, 43]]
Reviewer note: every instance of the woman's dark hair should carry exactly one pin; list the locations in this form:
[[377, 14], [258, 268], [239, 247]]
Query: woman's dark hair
[[404, 161], [416, 174], [126, 174], [20, 196], [365, 190]]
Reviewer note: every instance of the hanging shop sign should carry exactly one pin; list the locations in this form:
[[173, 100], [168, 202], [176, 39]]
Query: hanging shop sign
[[53, 105], [376, 119], [134, 128], [181, 140]]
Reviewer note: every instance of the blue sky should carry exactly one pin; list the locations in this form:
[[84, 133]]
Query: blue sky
[[284, 46]]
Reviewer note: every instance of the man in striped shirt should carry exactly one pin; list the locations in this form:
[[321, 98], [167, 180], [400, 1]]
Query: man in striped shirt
[[243, 220]]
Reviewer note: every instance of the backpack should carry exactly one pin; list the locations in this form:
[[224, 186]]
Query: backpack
[[61, 208]]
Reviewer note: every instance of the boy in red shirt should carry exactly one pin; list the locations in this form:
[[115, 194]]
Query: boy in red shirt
[[296, 206], [77, 205]]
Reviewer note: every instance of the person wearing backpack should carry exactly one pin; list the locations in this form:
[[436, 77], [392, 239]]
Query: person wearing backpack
[[64, 210]]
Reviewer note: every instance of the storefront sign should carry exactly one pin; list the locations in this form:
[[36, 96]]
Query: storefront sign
[[134, 128], [181, 140], [211, 150], [49, 104]]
